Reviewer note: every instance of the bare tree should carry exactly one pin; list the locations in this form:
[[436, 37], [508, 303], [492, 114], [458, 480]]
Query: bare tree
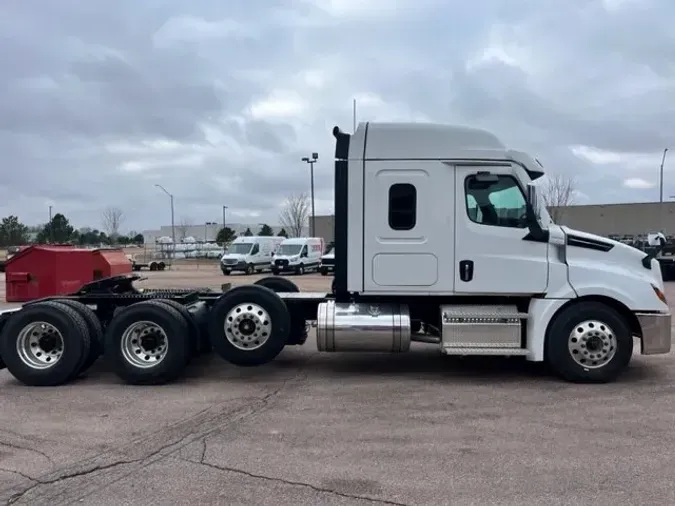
[[558, 193], [183, 227], [111, 219], [294, 214]]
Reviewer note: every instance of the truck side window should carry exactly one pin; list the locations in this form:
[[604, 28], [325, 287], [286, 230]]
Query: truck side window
[[402, 206], [498, 203], [256, 249]]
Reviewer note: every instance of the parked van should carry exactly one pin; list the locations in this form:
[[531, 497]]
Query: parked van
[[299, 255], [249, 254], [327, 262]]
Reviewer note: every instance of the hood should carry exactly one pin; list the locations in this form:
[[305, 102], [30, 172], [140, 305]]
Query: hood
[[592, 239], [616, 253], [329, 255], [232, 256]]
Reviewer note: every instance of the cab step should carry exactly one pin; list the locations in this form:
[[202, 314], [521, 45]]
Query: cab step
[[482, 351], [482, 330]]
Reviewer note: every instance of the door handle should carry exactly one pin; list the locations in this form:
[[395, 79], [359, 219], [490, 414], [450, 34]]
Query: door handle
[[466, 270]]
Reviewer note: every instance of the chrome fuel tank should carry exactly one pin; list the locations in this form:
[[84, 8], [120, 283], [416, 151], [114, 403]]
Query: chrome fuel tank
[[363, 327]]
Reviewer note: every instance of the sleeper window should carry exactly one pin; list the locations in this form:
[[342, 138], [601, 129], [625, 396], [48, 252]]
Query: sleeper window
[[499, 203], [402, 206]]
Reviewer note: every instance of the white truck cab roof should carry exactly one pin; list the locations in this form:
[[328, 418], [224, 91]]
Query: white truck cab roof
[[431, 141]]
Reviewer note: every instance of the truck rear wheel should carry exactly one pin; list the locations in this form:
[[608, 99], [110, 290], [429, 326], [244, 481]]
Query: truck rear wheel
[[196, 344], [45, 344], [589, 342], [95, 332], [299, 330], [249, 325], [147, 343]]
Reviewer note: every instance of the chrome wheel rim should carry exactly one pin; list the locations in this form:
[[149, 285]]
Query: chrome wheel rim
[[592, 344], [144, 344], [247, 326], [39, 345]]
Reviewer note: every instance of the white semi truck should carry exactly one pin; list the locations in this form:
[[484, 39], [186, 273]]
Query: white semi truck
[[440, 237]]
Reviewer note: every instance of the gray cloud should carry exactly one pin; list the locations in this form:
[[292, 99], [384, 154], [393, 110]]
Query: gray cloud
[[219, 100]]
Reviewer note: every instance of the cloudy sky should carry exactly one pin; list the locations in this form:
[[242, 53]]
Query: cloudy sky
[[217, 100]]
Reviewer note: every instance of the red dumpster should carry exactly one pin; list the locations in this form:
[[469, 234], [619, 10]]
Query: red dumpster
[[43, 271], [110, 262]]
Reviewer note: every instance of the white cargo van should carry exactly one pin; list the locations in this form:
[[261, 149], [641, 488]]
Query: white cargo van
[[298, 255], [327, 262], [249, 254]]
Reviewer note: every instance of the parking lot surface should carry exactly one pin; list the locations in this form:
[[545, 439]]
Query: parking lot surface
[[334, 429]]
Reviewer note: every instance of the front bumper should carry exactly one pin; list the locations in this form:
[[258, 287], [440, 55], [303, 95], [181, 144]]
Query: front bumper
[[239, 266], [656, 332], [285, 268]]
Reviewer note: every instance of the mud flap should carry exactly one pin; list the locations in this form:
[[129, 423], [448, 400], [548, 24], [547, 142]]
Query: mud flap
[[2, 324]]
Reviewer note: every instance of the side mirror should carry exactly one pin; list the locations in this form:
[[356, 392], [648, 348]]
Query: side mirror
[[533, 200], [534, 214]]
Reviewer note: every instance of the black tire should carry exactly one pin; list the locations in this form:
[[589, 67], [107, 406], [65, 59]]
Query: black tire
[[324, 272], [177, 334], [95, 332], [194, 332], [250, 269], [275, 272], [74, 333], [153, 266], [614, 336], [161, 266], [227, 272], [278, 284], [276, 330], [298, 333], [300, 270]]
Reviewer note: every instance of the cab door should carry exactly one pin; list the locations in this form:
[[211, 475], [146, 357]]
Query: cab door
[[494, 252], [408, 227]]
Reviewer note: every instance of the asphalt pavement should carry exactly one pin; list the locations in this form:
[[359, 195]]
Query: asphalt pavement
[[337, 429]]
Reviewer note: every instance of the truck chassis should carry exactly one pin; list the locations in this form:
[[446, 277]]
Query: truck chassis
[[150, 336]]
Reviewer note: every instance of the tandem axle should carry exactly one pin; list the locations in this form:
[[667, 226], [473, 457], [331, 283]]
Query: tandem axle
[[150, 336]]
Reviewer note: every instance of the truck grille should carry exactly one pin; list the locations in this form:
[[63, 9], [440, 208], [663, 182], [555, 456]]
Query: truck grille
[[229, 261], [281, 263], [327, 261]]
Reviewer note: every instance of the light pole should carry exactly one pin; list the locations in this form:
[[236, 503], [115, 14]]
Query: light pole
[[224, 209], [173, 224], [51, 226], [311, 161], [663, 161]]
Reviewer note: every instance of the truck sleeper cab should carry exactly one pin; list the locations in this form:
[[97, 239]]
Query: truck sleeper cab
[[440, 230], [440, 238]]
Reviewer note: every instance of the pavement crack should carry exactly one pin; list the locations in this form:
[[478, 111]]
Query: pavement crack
[[62, 477], [18, 473], [27, 449], [293, 483]]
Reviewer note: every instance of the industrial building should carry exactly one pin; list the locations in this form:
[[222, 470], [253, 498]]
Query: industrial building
[[619, 219]]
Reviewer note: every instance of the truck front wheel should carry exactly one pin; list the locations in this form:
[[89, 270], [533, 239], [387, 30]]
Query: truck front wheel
[[589, 342]]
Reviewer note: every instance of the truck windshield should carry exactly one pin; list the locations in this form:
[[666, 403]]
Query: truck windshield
[[289, 249], [242, 248]]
